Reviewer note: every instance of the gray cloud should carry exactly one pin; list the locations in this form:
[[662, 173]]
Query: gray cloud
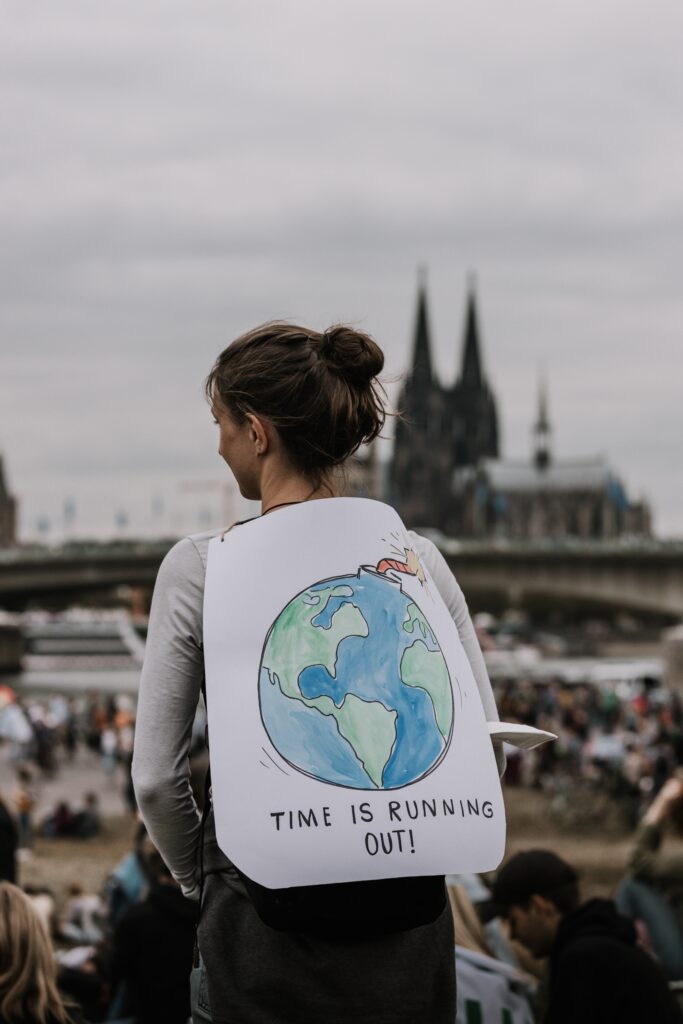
[[171, 175]]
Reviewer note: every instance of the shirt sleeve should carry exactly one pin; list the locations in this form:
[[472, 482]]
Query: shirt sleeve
[[170, 686], [454, 598]]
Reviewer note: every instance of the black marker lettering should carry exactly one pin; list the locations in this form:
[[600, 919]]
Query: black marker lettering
[[393, 810], [365, 812], [307, 819], [371, 841]]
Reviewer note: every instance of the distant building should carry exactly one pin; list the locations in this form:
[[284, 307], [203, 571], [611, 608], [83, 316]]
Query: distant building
[[8, 512], [447, 474], [546, 497]]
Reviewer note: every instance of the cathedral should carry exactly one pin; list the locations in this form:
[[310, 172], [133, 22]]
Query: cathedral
[[447, 472]]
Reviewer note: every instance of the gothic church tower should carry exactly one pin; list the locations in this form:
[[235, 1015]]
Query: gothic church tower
[[441, 430], [473, 407], [414, 473]]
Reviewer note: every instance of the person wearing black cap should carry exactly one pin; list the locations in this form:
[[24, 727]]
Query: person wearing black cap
[[597, 974]]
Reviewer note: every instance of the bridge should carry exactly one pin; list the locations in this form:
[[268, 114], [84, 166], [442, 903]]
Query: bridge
[[644, 578], [72, 572]]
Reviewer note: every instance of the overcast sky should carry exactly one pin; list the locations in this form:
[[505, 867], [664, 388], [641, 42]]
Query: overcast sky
[[172, 174]]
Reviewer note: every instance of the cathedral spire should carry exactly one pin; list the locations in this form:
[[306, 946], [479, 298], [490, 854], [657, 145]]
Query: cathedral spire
[[471, 373], [541, 428], [422, 359], [475, 423]]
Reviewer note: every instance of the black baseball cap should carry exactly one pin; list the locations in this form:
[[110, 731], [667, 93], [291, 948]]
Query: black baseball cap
[[529, 873]]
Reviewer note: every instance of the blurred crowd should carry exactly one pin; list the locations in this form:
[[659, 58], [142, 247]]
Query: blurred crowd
[[124, 952], [41, 732], [621, 747], [38, 737], [528, 949]]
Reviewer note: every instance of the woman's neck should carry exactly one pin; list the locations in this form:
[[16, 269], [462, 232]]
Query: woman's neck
[[294, 489]]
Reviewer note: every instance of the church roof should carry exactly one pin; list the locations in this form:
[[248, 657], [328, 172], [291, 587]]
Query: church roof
[[592, 474]]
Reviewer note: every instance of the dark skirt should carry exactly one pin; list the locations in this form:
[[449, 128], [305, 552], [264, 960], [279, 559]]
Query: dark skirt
[[257, 975]]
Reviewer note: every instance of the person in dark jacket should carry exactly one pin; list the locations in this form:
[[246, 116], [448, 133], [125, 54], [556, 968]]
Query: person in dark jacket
[[597, 974], [152, 951], [8, 844]]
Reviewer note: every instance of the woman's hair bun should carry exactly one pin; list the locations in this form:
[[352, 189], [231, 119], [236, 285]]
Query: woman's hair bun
[[320, 391], [352, 354]]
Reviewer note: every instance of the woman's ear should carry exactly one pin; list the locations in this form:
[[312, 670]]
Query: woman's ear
[[258, 434]]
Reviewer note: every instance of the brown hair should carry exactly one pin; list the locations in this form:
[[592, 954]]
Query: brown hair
[[319, 390], [28, 987], [468, 928]]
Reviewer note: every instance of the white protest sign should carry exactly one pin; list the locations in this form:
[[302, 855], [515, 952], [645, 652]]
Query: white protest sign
[[347, 738]]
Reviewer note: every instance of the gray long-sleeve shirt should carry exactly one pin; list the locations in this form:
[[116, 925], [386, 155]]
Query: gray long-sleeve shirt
[[171, 684]]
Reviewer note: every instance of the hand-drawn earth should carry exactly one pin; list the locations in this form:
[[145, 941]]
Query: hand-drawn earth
[[353, 686]]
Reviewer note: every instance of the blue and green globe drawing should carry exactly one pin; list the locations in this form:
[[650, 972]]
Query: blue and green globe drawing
[[353, 686]]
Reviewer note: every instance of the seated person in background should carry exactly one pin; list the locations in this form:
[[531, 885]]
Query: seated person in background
[[653, 894], [87, 822], [597, 973], [83, 916], [128, 883], [152, 952], [60, 822]]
